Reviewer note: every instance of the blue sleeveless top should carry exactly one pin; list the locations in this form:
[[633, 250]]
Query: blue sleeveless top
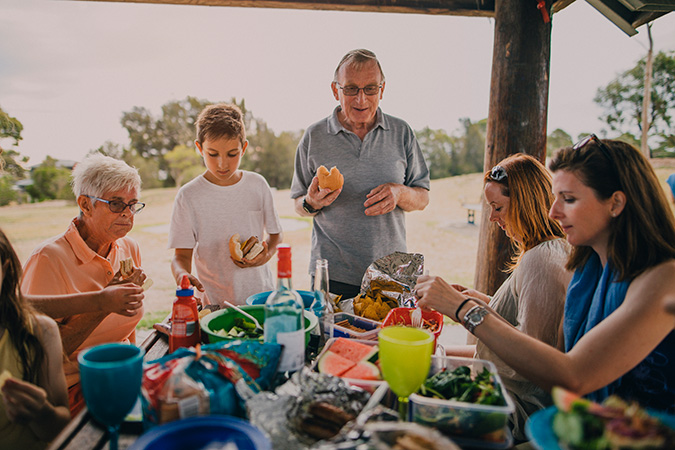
[[592, 296]]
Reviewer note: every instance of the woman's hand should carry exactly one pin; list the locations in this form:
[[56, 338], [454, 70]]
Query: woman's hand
[[435, 293], [123, 299], [24, 402]]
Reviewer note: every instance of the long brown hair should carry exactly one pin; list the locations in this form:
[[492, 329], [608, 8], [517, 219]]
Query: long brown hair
[[643, 235], [16, 315], [527, 183]]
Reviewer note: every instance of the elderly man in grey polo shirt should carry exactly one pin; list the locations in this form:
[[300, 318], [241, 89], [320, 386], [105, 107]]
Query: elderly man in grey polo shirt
[[384, 175]]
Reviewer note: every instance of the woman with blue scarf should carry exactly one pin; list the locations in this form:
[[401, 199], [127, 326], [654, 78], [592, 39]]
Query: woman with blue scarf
[[618, 339]]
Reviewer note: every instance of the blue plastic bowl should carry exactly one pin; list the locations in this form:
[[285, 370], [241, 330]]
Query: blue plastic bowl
[[259, 299], [198, 432]]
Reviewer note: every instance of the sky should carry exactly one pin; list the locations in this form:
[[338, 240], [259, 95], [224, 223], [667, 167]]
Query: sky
[[69, 69]]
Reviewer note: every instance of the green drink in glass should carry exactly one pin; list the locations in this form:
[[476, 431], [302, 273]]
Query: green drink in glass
[[405, 359]]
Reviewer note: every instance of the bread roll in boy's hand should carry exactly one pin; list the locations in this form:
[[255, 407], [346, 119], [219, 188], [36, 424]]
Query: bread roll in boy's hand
[[332, 179], [248, 249]]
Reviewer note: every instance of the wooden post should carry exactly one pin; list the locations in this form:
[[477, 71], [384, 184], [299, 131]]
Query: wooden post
[[517, 114]]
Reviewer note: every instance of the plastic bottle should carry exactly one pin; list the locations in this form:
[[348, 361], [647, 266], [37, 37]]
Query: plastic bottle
[[322, 306], [284, 318], [185, 330]]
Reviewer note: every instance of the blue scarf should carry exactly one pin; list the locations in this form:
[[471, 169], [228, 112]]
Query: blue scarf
[[592, 295]]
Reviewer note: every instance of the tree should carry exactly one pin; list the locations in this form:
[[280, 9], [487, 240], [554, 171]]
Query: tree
[[184, 164], [439, 152], [472, 146], [557, 139], [622, 101], [50, 182], [10, 127], [270, 155]]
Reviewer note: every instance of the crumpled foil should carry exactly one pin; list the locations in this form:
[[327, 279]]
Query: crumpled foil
[[278, 414], [395, 275]]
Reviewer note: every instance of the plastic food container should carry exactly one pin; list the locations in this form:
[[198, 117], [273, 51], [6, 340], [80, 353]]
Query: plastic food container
[[401, 316], [259, 299], [371, 327], [366, 385], [223, 319], [474, 422]]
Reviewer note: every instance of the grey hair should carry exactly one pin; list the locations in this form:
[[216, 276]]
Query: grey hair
[[98, 174], [357, 58]]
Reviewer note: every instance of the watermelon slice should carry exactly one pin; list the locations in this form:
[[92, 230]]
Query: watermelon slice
[[334, 364], [363, 371], [352, 350]]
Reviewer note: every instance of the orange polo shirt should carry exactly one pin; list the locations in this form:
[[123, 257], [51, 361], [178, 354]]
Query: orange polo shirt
[[66, 265]]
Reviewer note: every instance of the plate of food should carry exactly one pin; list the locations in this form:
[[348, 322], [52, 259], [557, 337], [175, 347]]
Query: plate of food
[[576, 423]]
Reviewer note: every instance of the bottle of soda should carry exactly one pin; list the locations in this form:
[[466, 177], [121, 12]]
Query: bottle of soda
[[284, 318], [322, 306], [185, 330]]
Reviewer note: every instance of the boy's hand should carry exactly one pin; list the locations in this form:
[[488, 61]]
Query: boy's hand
[[194, 281], [259, 260]]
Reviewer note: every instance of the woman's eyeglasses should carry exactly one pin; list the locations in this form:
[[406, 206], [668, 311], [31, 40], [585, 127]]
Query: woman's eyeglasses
[[351, 91], [118, 206], [498, 173]]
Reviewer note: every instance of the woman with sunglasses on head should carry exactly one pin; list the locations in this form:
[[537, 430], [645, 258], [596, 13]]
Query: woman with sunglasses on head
[[518, 191], [617, 338], [75, 277]]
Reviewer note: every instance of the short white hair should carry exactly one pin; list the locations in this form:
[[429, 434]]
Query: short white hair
[[98, 174]]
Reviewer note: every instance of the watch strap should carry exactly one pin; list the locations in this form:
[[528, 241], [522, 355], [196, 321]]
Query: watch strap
[[307, 207]]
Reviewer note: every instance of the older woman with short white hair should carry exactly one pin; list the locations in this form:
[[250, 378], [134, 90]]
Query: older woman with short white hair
[[75, 277]]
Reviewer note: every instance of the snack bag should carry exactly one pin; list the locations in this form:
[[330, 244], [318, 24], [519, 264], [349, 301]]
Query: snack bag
[[211, 379]]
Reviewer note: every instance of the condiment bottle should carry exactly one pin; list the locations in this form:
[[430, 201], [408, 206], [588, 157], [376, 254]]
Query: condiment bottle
[[322, 307], [185, 330], [284, 318]]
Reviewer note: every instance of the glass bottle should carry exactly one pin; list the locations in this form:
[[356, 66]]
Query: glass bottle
[[322, 307], [284, 318]]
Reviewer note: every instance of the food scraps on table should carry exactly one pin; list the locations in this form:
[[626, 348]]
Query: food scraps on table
[[373, 305], [459, 385], [582, 424]]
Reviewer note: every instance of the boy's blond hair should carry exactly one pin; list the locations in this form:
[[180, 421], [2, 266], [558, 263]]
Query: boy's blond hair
[[220, 120]]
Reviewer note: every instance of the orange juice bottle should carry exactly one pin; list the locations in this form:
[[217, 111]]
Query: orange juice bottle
[[184, 318]]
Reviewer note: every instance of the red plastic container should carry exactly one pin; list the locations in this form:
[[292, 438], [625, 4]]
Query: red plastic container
[[401, 316], [185, 330]]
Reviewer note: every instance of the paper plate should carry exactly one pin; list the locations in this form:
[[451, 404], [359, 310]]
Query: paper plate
[[198, 432]]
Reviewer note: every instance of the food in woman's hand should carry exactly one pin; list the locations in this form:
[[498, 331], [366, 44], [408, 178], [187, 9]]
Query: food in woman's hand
[[248, 249], [126, 267], [332, 179], [324, 420], [583, 424]]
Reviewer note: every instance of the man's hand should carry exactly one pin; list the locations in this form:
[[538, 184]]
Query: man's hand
[[383, 199], [320, 198], [124, 299]]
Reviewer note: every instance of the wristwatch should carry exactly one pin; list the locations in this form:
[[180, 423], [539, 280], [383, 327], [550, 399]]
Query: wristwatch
[[308, 208], [474, 317]]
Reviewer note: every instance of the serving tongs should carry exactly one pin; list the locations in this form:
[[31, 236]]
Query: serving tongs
[[258, 327]]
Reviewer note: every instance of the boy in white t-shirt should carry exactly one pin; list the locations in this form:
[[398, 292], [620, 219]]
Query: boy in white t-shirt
[[223, 201]]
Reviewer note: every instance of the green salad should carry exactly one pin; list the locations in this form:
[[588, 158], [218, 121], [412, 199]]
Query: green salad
[[242, 329], [460, 386]]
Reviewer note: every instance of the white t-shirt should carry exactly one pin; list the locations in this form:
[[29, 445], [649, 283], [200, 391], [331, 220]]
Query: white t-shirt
[[204, 218]]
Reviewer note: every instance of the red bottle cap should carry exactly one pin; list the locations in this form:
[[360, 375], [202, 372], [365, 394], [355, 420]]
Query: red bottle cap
[[185, 282], [284, 264]]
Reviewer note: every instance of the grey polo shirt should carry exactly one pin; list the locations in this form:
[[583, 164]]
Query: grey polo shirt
[[342, 233]]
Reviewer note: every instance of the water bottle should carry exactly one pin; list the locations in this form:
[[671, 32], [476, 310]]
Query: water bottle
[[284, 318], [185, 330], [322, 307]]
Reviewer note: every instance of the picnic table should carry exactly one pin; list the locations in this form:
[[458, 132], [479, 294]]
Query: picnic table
[[83, 433]]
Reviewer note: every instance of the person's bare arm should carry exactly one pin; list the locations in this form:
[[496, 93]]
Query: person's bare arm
[[386, 197], [181, 264], [316, 198]]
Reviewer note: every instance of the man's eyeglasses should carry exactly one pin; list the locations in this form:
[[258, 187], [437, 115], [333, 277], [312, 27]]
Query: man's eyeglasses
[[118, 206], [351, 91], [498, 173]]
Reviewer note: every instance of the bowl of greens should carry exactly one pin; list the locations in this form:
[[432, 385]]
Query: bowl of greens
[[227, 324], [465, 399]]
